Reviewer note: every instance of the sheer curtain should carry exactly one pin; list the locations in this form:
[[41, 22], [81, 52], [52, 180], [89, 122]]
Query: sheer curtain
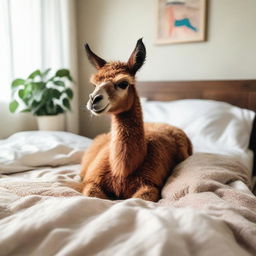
[[36, 34]]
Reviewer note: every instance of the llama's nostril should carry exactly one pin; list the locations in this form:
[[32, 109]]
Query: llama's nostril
[[97, 98]]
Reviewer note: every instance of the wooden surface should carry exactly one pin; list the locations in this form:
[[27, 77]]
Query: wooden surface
[[241, 93]]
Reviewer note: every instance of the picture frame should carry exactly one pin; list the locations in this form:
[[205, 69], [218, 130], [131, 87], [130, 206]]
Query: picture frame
[[181, 21]]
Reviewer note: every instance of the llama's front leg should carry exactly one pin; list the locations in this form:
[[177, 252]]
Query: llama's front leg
[[149, 193], [93, 190]]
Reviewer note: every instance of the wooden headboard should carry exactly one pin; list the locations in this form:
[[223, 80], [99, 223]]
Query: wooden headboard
[[241, 93]]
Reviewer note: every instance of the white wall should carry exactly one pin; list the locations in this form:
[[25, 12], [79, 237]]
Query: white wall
[[11, 123], [112, 27]]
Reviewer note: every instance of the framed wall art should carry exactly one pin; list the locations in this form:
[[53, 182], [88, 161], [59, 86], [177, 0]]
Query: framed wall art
[[181, 21]]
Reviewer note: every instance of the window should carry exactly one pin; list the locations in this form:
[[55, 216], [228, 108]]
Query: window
[[31, 37]]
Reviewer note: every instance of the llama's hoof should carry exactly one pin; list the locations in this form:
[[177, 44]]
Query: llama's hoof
[[94, 192]]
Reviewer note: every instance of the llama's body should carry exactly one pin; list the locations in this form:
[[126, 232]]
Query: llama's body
[[135, 158], [162, 156]]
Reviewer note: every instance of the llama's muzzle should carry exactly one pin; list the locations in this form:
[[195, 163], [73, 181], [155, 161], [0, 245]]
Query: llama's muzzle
[[98, 101]]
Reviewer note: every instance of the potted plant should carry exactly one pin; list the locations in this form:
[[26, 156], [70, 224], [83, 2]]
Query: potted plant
[[47, 97]]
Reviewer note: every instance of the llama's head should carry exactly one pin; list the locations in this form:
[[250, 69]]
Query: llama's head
[[114, 81]]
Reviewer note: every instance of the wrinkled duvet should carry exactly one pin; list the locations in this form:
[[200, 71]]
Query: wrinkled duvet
[[42, 211]]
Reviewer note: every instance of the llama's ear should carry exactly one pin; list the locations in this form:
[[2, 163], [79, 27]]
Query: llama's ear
[[137, 57], [95, 60]]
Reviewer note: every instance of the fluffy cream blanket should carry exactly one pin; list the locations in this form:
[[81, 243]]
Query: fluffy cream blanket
[[216, 185], [207, 209]]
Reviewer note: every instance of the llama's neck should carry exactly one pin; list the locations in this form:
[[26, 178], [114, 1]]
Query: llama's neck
[[128, 147]]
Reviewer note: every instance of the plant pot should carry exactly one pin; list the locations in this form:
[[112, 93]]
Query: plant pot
[[51, 123]]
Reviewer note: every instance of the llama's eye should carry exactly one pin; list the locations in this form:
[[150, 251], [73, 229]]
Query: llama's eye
[[122, 85]]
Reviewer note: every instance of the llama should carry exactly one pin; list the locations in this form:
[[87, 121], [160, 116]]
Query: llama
[[135, 158]]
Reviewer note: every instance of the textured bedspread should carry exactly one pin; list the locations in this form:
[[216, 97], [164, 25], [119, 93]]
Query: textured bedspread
[[216, 185], [46, 225], [207, 209], [43, 213]]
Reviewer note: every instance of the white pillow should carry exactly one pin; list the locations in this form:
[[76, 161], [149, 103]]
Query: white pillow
[[26, 150], [212, 126]]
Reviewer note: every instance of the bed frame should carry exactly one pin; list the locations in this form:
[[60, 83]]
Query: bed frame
[[241, 93]]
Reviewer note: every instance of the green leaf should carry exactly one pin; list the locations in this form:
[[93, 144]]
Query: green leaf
[[66, 103], [45, 73], [28, 89], [38, 90], [50, 107], [39, 85], [58, 82], [13, 106], [50, 79], [55, 93], [34, 74], [59, 109], [17, 82], [38, 95], [40, 107], [70, 78], [21, 93], [25, 110], [50, 94], [69, 92], [37, 108], [63, 73], [28, 95]]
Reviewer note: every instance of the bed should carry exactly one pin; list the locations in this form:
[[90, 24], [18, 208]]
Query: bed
[[241, 93], [42, 211]]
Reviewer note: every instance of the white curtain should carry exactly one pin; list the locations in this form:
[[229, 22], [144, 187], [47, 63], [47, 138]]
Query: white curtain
[[36, 34]]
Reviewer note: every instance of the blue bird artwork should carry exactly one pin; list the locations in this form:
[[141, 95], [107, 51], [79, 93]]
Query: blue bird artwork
[[181, 21], [186, 23]]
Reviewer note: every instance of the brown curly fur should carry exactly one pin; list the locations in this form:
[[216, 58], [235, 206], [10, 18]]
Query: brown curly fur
[[135, 158]]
